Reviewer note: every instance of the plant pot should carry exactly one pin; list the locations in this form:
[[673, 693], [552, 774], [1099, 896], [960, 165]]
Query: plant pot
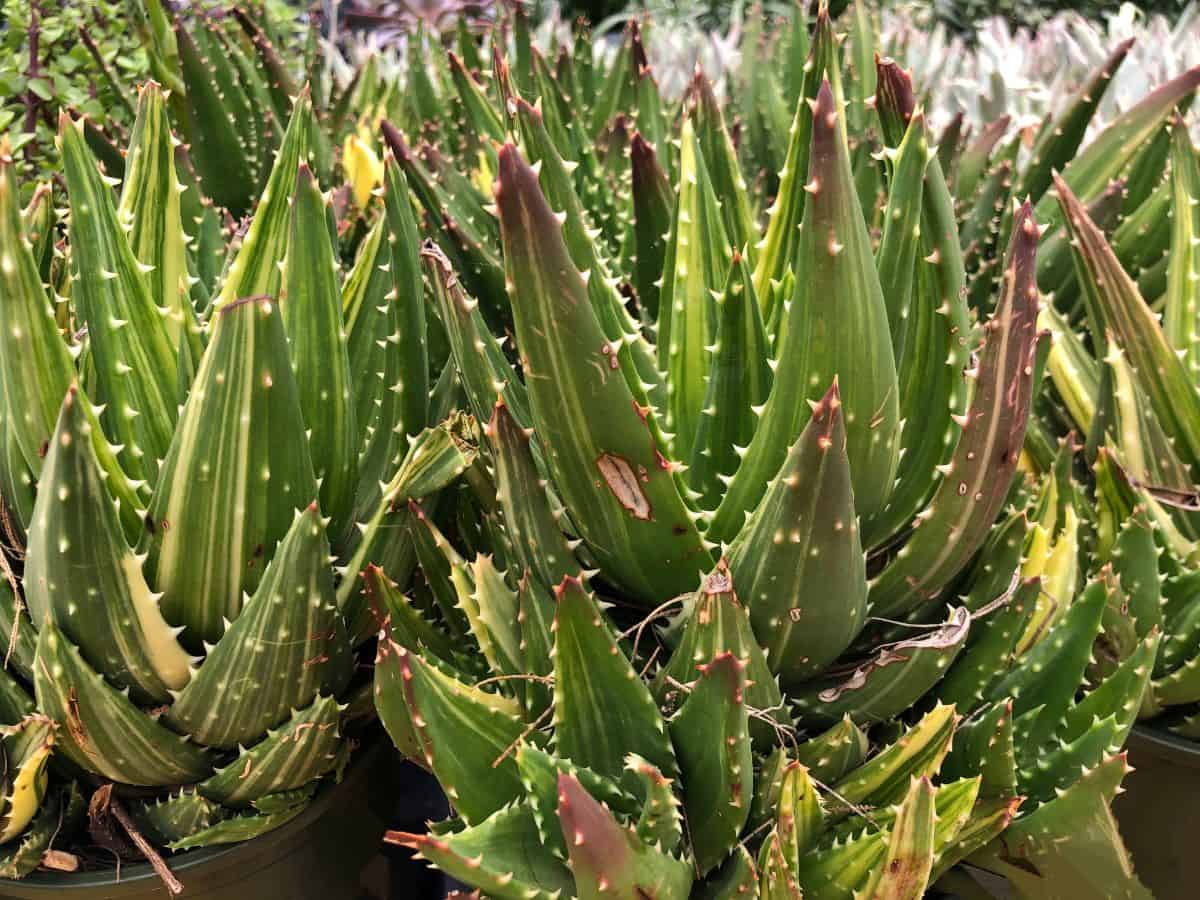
[[319, 855], [1159, 812]]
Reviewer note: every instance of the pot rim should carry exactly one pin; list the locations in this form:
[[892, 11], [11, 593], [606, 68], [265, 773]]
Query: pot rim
[[202, 857], [1165, 745]]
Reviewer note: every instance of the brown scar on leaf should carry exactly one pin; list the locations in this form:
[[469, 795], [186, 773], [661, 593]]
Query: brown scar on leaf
[[74, 721], [621, 479]]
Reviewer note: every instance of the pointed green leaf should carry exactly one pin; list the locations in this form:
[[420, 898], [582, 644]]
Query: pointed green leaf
[[723, 167], [312, 319], [885, 777], [588, 663], [975, 481], [804, 533], [836, 325], [479, 775], [897, 254], [632, 354], [930, 362], [255, 271], [237, 471], [238, 829], [463, 241], [718, 624], [128, 334], [503, 855], [776, 880], [287, 645], [208, 122], [842, 870], [1048, 676], [1114, 304], [1058, 144], [1181, 311], [482, 115], [174, 818], [35, 365], [412, 386], [1111, 150], [610, 861], [390, 702], [632, 516], [779, 250], [81, 574], [800, 818], [100, 730], [539, 545], [653, 202], [303, 748], [539, 775], [150, 210], [435, 458], [485, 373], [738, 383], [1069, 847], [712, 742], [370, 314], [831, 754], [976, 156], [904, 872], [983, 746], [38, 222]]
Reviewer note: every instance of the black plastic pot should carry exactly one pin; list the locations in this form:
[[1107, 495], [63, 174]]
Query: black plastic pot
[[1159, 812], [319, 855]]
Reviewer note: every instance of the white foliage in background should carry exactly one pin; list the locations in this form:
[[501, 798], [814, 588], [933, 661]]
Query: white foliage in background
[[1008, 71], [1027, 74]]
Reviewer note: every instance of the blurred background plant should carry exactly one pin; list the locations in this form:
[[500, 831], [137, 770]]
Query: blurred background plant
[[79, 57], [86, 59]]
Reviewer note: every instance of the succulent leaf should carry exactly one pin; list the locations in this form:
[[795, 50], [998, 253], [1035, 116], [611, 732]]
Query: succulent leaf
[[970, 494], [479, 776], [35, 365], [411, 337], [302, 749], [716, 624], [240, 451], [609, 860], [150, 209], [100, 730], [81, 574], [712, 743], [588, 663], [695, 267], [127, 332], [803, 533], [632, 517], [312, 319], [738, 382], [287, 646], [836, 325], [905, 871]]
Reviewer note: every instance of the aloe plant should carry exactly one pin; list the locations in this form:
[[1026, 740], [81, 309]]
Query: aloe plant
[[1129, 384], [720, 636], [196, 494]]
